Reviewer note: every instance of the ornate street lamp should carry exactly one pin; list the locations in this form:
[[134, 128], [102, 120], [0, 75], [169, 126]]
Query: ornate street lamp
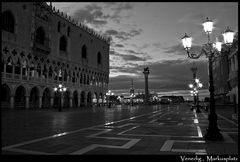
[[60, 89], [210, 50]]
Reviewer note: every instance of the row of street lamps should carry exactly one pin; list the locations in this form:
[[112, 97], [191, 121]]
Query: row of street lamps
[[61, 88], [210, 50], [195, 86]]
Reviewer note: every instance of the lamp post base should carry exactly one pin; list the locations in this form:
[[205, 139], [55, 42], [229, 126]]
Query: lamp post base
[[198, 110], [213, 135]]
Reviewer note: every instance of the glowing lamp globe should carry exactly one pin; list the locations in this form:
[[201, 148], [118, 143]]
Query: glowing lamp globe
[[187, 42], [228, 36], [208, 25]]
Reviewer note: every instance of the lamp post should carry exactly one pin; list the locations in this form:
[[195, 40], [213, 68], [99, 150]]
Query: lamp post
[[196, 85], [60, 89], [108, 94], [210, 50]]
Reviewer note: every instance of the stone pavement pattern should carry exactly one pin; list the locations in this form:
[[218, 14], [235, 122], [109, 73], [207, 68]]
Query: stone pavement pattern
[[160, 130]]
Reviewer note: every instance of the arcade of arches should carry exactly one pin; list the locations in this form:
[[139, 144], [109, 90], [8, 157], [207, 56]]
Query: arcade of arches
[[23, 96]]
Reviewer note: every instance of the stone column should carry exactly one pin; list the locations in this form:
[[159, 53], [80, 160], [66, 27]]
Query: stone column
[[4, 70], [20, 72], [12, 102], [79, 101], [51, 101], [146, 73], [70, 101], [62, 100], [13, 71], [27, 102], [102, 100], [28, 72], [97, 100], [40, 102], [85, 100]]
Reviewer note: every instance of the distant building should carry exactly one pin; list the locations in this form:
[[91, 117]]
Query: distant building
[[233, 71], [43, 47], [220, 77], [225, 74], [175, 99]]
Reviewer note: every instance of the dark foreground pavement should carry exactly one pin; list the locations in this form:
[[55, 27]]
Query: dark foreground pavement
[[138, 130]]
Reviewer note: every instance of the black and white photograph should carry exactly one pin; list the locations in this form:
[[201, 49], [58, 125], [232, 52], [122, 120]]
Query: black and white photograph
[[120, 78]]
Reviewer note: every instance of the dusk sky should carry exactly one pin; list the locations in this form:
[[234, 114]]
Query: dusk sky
[[149, 34]]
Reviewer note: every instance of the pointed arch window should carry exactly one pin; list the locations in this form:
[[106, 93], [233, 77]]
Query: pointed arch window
[[50, 72], [8, 22], [18, 67], [60, 74], [32, 70], [24, 68], [40, 36], [99, 58], [68, 31], [44, 71], [59, 26], [84, 52], [39, 70], [9, 67], [63, 44], [65, 75]]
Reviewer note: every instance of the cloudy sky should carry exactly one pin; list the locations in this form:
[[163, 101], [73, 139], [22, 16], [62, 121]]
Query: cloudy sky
[[149, 34]]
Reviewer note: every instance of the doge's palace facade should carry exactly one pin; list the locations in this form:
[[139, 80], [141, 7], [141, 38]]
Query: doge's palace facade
[[41, 48]]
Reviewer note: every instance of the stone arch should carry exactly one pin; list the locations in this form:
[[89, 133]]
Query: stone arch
[[89, 99], [75, 99], [20, 94], [95, 98], [34, 97], [17, 66], [66, 99], [6, 95], [46, 98], [56, 99], [82, 99], [9, 65], [100, 98]]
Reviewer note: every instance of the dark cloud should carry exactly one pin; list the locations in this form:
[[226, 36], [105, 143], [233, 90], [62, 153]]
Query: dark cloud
[[165, 76], [91, 14], [111, 32], [179, 50], [122, 35], [134, 52], [119, 45], [132, 58], [129, 57]]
